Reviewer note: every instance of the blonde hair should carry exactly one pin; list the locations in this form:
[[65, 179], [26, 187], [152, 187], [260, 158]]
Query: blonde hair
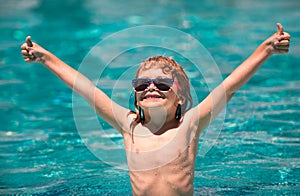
[[168, 65]]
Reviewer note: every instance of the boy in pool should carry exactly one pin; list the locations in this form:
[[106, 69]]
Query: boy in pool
[[161, 136]]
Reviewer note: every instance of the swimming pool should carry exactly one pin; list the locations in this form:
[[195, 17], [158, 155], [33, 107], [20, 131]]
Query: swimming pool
[[257, 151]]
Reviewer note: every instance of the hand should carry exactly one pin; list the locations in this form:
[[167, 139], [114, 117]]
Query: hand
[[280, 41], [32, 52]]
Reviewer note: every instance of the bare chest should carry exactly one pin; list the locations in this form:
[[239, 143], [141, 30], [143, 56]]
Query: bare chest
[[146, 151]]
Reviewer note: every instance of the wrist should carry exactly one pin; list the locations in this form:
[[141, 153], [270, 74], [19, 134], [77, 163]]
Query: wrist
[[267, 48], [45, 57]]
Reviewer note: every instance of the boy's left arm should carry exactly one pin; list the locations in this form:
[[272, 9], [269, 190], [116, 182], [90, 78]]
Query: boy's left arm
[[276, 44], [210, 107]]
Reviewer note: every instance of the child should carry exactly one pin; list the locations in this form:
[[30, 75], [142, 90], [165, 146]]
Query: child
[[161, 136]]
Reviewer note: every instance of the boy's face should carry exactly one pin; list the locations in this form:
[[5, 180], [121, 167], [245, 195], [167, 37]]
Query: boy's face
[[153, 97]]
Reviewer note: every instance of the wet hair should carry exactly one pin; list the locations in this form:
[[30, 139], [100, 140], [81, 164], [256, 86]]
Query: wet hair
[[168, 65]]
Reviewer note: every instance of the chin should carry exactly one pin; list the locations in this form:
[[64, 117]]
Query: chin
[[153, 102]]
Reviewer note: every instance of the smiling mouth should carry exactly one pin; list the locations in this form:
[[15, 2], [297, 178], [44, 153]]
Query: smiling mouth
[[152, 97]]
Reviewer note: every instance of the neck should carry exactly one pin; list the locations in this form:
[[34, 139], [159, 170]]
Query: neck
[[158, 121]]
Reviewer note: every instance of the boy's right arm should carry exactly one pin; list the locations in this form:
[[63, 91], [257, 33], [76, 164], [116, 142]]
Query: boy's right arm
[[110, 111]]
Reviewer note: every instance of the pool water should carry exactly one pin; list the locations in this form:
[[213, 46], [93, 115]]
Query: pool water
[[42, 152]]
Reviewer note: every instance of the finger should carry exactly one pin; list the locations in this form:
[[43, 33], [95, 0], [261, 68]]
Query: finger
[[27, 56], [286, 36], [27, 60], [284, 42], [281, 44], [24, 52], [282, 48], [28, 41], [279, 29], [23, 47]]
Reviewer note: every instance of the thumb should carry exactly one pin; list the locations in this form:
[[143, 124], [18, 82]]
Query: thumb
[[280, 29], [28, 41]]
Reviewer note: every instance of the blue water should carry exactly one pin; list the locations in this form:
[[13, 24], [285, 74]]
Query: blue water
[[257, 151]]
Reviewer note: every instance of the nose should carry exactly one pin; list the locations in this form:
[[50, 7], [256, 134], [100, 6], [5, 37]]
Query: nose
[[151, 87]]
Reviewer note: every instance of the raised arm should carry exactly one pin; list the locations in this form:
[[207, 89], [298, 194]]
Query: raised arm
[[110, 111], [211, 106]]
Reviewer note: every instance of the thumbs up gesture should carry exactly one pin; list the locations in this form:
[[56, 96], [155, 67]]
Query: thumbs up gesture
[[32, 52], [280, 41]]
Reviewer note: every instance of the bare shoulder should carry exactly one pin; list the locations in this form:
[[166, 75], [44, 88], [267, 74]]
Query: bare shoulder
[[194, 121], [129, 121], [191, 117]]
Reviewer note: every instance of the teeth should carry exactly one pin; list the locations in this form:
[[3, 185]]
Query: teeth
[[152, 96]]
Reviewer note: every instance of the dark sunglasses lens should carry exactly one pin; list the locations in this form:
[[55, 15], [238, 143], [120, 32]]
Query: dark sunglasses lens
[[164, 84], [140, 85]]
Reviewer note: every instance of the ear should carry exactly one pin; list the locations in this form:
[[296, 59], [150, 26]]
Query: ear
[[181, 100]]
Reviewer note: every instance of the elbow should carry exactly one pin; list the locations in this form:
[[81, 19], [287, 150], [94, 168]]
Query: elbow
[[229, 95], [230, 90]]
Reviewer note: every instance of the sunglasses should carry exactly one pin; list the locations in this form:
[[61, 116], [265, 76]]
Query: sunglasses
[[162, 84]]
